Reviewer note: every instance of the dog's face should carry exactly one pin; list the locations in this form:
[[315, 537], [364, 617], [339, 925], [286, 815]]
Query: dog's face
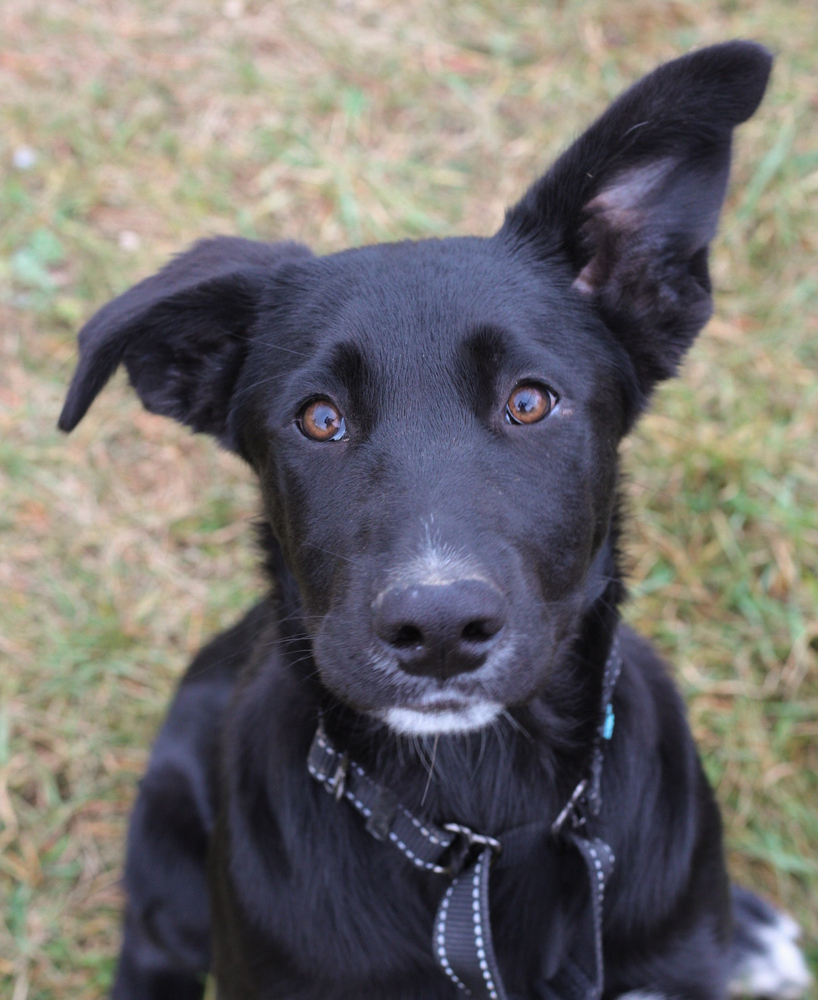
[[435, 425], [437, 452]]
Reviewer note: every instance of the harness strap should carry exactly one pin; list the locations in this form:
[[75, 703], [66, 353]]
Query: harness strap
[[582, 974], [426, 845], [462, 941], [613, 668]]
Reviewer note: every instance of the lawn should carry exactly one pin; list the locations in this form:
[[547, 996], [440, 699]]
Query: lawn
[[128, 129]]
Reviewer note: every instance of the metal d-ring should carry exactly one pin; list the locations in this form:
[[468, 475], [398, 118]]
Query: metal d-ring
[[471, 839]]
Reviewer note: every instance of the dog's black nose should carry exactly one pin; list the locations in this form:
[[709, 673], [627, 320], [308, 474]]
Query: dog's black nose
[[440, 630]]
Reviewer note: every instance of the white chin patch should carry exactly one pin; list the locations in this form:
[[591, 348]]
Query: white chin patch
[[431, 720], [641, 995], [777, 970]]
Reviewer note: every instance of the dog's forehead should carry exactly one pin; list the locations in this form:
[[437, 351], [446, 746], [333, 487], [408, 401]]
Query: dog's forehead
[[431, 308], [426, 299]]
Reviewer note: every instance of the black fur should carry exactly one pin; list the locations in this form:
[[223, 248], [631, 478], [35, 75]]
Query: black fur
[[434, 501]]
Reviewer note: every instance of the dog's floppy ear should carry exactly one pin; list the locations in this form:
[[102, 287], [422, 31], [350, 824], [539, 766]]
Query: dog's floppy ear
[[182, 334], [635, 201]]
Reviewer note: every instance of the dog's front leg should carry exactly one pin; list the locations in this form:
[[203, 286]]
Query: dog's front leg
[[147, 972], [166, 944]]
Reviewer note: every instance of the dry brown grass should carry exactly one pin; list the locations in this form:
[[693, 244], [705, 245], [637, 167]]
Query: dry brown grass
[[123, 546]]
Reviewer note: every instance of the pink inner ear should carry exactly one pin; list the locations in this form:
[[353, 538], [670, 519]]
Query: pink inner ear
[[616, 214], [585, 282]]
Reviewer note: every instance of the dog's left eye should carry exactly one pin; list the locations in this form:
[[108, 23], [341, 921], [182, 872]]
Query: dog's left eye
[[529, 403], [321, 420]]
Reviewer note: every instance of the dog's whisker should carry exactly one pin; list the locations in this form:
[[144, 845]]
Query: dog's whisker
[[516, 725], [431, 769], [424, 753], [245, 389], [482, 747], [496, 728], [329, 552]]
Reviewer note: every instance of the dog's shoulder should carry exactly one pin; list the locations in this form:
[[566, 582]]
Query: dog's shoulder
[[184, 757]]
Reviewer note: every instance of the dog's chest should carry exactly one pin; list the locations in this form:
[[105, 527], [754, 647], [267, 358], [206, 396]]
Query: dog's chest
[[348, 909]]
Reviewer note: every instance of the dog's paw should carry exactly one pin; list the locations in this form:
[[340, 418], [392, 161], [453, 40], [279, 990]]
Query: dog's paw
[[767, 961]]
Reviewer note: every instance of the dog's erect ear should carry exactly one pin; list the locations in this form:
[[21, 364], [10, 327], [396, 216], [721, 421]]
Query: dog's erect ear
[[182, 334], [635, 201]]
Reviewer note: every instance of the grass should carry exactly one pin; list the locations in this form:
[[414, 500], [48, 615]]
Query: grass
[[131, 128]]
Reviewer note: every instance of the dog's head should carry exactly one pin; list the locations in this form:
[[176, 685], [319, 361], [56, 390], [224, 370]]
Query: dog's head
[[435, 425]]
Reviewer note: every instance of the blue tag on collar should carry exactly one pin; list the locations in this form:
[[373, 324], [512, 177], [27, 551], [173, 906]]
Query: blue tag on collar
[[608, 724]]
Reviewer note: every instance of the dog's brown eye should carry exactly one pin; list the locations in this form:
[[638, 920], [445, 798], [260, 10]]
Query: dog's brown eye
[[321, 420], [529, 403]]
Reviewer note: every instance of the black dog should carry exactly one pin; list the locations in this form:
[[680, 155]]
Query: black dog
[[435, 426]]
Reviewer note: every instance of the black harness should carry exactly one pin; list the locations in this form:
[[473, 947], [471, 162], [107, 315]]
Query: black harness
[[461, 939]]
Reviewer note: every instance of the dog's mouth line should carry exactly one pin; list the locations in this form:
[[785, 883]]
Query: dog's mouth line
[[438, 707]]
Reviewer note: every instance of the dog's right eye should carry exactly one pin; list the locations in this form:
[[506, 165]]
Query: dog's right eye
[[529, 403], [321, 420]]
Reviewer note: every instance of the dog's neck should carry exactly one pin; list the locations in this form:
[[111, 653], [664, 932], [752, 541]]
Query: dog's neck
[[466, 777]]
